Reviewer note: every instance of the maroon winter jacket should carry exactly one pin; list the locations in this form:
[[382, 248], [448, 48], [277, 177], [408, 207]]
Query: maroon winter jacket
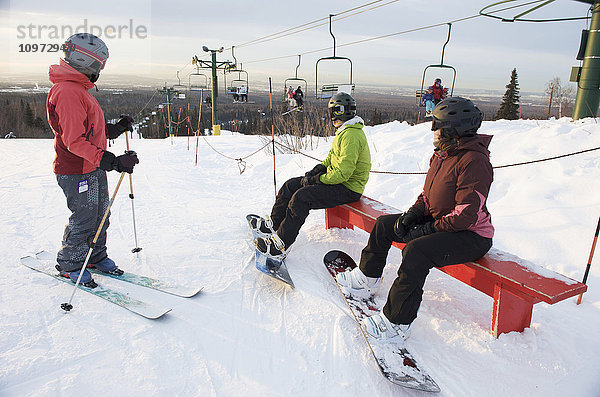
[[457, 186]]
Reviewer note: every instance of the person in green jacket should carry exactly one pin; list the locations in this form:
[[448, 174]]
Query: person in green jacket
[[339, 179]]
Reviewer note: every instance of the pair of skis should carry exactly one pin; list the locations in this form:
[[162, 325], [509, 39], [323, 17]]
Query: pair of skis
[[395, 362], [44, 262]]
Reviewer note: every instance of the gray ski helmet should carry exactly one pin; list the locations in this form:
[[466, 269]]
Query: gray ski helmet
[[342, 107], [456, 116], [86, 53]]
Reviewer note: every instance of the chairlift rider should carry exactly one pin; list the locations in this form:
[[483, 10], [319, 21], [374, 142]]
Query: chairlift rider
[[433, 95], [290, 97], [299, 97]]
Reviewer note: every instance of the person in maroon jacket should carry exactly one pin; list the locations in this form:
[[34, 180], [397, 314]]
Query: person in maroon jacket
[[81, 161], [448, 224]]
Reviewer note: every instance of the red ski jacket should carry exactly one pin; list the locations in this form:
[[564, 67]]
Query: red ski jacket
[[439, 92], [457, 186], [76, 120]]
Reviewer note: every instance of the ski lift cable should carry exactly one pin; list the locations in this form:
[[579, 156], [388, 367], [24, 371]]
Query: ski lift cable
[[397, 33], [371, 38], [146, 105], [306, 26]]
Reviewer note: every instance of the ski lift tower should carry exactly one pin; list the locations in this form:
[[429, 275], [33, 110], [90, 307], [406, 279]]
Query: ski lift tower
[[213, 65], [170, 92]]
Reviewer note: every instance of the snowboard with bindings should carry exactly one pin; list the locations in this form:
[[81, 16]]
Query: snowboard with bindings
[[134, 305], [144, 281], [395, 362], [269, 266]]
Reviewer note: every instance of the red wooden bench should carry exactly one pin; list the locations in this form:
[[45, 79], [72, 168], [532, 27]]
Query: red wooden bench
[[515, 287]]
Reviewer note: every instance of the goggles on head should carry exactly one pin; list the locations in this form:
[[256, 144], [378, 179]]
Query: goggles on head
[[337, 110]]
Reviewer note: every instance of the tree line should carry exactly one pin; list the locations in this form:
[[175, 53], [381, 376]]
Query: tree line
[[25, 113]]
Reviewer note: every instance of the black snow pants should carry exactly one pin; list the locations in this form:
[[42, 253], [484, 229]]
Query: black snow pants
[[87, 198], [418, 257], [293, 203]]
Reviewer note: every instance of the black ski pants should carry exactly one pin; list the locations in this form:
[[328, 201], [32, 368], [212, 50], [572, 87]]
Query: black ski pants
[[294, 201], [418, 257]]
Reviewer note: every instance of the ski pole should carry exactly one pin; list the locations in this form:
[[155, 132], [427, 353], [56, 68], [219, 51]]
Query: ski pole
[[589, 264], [131, 196], [67, 306]]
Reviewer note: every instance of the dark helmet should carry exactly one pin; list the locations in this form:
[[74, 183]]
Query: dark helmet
[[86, 53], [342, 107], [438, 80], [456, 117]]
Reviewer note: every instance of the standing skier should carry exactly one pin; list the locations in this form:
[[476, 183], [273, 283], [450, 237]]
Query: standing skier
[[448, 224], [339, 179], [82, 160]]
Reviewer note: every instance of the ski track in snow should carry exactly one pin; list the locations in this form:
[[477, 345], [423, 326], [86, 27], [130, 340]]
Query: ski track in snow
[[248, 334]]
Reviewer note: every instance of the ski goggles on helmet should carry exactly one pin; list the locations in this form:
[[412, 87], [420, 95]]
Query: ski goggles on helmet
[[337, 111], [98, 61]]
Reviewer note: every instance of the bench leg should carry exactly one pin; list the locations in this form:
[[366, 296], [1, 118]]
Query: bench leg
[[512, 312], [337, 217]]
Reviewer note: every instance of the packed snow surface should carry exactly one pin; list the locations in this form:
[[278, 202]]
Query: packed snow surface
[[247, 334]]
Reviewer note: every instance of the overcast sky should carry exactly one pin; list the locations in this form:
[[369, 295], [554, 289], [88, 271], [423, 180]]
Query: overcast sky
[[156, 38]]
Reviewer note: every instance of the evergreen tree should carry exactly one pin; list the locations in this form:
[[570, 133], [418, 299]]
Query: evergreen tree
[[28, 115], [509, 108]]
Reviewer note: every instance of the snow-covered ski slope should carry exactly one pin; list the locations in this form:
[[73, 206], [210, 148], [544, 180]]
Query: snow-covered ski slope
[[247, 334]]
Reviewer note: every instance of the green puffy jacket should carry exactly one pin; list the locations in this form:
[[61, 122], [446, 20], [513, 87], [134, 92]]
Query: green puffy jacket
[[349, 160]]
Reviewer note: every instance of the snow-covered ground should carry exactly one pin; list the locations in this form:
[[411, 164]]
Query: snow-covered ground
[[249, 335]]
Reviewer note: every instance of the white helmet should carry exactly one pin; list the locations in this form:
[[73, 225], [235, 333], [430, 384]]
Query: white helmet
[[86, 53]]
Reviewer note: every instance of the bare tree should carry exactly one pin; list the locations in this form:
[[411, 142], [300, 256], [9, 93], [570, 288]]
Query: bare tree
[[563, 96]]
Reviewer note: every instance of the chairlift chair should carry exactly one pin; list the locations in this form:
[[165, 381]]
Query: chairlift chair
[[197, 81], [330, 89], [441, 65], [179, 86], [296, 80], [241, 81]]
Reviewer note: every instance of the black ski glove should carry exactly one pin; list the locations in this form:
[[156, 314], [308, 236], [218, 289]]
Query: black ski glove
[[399, 229], [124, 124], [412, 217], [318, 169], [418, 231], [312, 180], [126, 162], [122, 163]]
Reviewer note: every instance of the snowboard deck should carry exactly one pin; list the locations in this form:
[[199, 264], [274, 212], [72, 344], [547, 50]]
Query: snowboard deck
[[144, 281], [136, 306], [395, 362], [267, 265]]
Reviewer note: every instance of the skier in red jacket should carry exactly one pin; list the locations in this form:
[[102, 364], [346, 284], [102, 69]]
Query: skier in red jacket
[[448, 224], [82, 160]]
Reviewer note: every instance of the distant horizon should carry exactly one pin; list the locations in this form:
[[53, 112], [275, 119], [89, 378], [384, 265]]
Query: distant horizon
[[124, 80]]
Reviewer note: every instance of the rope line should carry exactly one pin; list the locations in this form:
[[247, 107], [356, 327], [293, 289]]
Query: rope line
[[424, 173]]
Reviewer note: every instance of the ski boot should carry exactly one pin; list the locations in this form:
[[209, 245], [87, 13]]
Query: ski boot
[[107, 266], [86, 278]]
